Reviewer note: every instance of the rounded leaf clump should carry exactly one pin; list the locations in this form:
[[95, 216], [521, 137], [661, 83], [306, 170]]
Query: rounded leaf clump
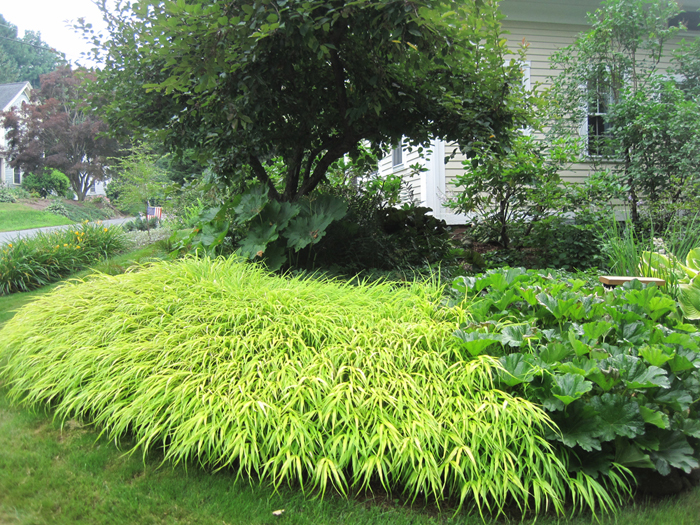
[[292, 380]]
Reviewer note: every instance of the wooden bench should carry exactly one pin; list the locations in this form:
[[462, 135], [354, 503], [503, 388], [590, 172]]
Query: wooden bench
[[610, 281]]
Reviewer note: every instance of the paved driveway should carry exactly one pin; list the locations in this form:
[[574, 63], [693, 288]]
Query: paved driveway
[[6, 237]]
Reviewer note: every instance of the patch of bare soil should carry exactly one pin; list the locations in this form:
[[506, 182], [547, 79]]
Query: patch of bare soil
[[36, 204]]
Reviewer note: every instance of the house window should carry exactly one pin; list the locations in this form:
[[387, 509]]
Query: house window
[[397, 156], [17, 177], [598, 129], [689, 19]]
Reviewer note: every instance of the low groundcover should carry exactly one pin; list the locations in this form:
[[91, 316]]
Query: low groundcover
[[290, 380]]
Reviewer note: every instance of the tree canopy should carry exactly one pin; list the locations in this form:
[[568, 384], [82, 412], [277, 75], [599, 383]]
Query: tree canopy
[[58, 131], [246, 82], [24, 59]]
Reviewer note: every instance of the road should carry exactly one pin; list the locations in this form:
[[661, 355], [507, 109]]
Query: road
[[6, 237]]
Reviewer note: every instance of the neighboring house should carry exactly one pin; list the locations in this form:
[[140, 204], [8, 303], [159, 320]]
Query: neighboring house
[[11, 96], [545, 25]]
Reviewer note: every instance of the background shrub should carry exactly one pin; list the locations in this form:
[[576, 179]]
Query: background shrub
[[293, 380], [563, 243], [87, 212], [141, 225], [47, 183], [6, 195], [29, 263]]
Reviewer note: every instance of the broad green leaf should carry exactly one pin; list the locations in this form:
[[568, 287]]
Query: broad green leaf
[[255, 242], [681, 361], [654, 417], [570, 387], [692, 260], [628, 455], [634, 333], [275, 256], [605, 378], [328, 206], [653, 264], [501, 300], [579, 347], [514, 275], [659, 306], [689, 299], [557, 306], [305, 231], [621, 316], [656, 355], [279, 214], [689, 427], [684, 340], [517, 368], [594, 330], [529, 295], [251, 204], [578, 426], [618, 415], [674, 451], [636, 374], [676, 397], [555, 353], [475, 343], [514, 335]]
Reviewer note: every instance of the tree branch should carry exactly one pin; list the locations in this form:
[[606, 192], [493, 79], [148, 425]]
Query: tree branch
[[333, 153], [293, 170], [262, 176]]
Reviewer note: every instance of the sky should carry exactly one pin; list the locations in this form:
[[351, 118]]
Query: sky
[[49, 18]]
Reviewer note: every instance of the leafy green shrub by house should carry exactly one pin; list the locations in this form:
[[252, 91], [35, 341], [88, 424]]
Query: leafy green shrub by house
[[314, 383], [6, 195], [617, 371], [565, 243], [347, 230], [32, 262], [48, 182]]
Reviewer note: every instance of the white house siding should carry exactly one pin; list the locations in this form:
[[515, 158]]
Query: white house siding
[[412, 178], [13, 96]]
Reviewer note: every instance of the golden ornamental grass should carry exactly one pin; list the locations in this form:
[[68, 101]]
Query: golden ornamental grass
[[307, 382]]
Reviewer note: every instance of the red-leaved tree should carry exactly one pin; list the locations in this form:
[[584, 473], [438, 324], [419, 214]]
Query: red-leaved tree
[[58, 131]]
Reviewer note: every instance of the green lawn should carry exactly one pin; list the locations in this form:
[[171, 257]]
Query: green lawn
[[53, 474], [15, 216]]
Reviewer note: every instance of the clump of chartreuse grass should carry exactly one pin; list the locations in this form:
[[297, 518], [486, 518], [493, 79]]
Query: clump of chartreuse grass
[[295, 381]]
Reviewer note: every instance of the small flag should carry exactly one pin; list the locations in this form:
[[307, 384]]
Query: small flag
[[153, 211]]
